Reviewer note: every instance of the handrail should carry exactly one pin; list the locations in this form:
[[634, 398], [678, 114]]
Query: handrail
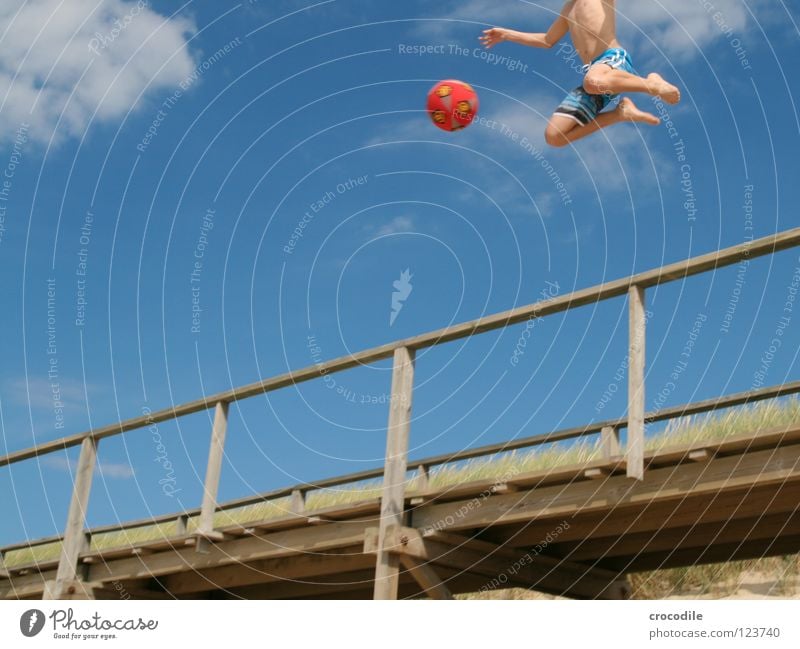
[[616, 288], [708, 405]]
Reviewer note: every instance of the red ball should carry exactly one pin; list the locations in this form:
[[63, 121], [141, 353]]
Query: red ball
[[452, 104]]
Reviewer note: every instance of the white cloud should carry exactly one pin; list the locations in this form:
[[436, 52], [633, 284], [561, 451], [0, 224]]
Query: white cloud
[[397, 225], [677, 27], [41, 393], [83, 57], [114, 470]]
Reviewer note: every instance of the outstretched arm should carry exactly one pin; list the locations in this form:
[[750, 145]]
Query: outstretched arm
[[557, 31]]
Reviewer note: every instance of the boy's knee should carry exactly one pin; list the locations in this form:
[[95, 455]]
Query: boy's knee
[[594, 81], [555, 136]]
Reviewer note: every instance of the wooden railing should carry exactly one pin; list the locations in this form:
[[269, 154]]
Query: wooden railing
[[74, 540]]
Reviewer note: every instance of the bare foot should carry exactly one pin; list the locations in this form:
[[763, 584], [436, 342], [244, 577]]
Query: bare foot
[[660, 88], [628, 112]]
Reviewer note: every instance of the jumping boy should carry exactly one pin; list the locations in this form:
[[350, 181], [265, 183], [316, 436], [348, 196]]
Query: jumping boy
[[609, 71]]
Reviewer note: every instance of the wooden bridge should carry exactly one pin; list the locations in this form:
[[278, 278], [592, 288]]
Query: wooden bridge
[[575, 531]]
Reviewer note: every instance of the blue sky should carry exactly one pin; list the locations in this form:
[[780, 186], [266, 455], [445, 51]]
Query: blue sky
[[197, 137]]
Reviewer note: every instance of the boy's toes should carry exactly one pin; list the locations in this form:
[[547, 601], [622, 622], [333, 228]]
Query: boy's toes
[[631, 113], [661, 88]]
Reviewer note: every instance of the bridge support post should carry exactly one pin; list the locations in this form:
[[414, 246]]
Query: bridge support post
[[634, 453], [205, 528], [387, 568], [74, 541]]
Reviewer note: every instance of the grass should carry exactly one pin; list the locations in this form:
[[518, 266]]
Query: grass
[[711, 427]]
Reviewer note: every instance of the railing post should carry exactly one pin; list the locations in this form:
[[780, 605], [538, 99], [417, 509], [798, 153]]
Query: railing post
[[181, 525], [216, 451], [387, 569], [423, 477], [634, 454], [297, 503], [609, 443], [74, 537]]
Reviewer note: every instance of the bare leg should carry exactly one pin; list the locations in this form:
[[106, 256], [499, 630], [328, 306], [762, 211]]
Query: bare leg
[[563, 130], [603, 79]]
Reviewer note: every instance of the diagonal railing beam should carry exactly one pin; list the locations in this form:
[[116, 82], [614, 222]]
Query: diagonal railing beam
[[672, 272]]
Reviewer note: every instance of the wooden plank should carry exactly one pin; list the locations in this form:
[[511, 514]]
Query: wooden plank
[[387, 568], [74, 536], [482, 488], [504, 488], [700, 455], [660, 415], [652, 517], [318, 538], [729, 473], [737, 551], [350, 585], [216, 452], [676, 271], [664, 456], [678, 538], [668, 455], [504, 568], [426, 577], [729, 401], [637, 330], [264, 571]]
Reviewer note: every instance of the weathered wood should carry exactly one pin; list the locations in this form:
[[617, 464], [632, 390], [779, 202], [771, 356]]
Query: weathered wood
[[700, 455], [676, 271], [729, 473], [279, 544], [74, 537], [660, 415], [504, 488], [340, 586], [634, 452], [297, 503], [387, 568], [502, 568], [216, 452], [426, 577], [665, 456], [305, 567], [737, 551], [422, 477], [649, 518], [181, 524], [770, 526], [609, 442]]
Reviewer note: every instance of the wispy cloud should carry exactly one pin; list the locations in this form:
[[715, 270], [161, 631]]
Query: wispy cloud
[[676, 27], [63, 62], [116, 471], [42, 394], [679, 28], [397, 225]]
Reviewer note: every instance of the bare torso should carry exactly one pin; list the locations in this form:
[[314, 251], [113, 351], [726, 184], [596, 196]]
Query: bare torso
[[592, 26]]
